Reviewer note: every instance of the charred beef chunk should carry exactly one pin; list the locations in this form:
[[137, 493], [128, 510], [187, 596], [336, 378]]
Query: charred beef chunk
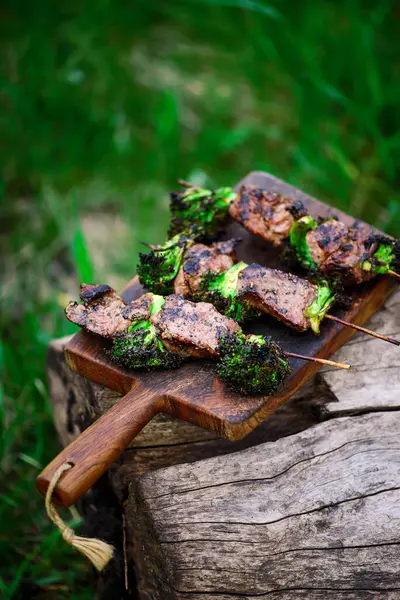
[[346, 263], [199, 259], [138, 310], [91, 292], [101, 313], [180, 287], [191, 329], [105, 313], [281, 295], [325, 239], [339, 250], [263, 213]]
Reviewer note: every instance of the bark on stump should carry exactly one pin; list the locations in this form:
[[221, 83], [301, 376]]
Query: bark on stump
[[314, 515]]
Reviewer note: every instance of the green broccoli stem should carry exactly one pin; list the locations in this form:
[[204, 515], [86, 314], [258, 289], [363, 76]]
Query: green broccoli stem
[[221, 291], [251, 364], [298, 241], [322, 303], [158, 269]]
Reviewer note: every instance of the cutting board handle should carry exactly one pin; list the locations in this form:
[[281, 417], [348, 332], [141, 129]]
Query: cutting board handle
[[100, 445]]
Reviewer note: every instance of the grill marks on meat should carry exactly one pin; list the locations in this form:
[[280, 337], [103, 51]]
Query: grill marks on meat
[[347, 261], [339, 250], [191, 329], [105, 313], [281, 295], [138, 310], [263, 213], [325, 239], [183, 327], [90, 292], [199, 259], [100, 313]]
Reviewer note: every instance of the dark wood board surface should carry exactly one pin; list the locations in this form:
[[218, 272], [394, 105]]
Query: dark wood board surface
[[193, 392]]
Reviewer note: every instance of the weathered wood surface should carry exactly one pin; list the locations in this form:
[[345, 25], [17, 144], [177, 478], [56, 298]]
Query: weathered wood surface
[[316, 511], [165, 440], [168, 441], [373, 382]]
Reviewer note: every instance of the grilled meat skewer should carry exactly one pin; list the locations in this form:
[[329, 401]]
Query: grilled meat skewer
[[163, 332], [163, 263], [246, 291], [352, 254], [296, 302], [332, 248]]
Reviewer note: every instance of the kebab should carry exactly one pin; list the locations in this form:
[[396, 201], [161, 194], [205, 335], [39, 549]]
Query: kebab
[[159, 268], [330, 247], [244, 291], [157, 332], [350, 254]]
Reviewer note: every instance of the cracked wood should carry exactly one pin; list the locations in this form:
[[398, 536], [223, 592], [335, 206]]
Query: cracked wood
[[318, 510]]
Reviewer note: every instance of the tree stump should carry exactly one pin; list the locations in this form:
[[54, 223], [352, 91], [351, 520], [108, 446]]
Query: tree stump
[[307, 506]]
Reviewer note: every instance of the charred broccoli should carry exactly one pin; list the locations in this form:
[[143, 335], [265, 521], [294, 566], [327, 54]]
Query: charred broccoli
[[251, 364], [385, 258], [221, 291], [198, 212], [158, 268], [140, 347]]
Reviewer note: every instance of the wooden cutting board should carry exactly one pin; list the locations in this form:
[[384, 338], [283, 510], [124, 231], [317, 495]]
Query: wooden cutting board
[[194, 393]]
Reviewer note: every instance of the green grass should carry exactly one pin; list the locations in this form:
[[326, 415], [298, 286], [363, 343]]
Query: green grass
[[104, 105]]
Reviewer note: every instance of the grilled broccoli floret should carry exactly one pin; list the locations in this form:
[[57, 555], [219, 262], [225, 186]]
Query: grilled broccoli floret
[[198, 212], [251, 364], [297, 239], [322, 303], [221, 291], [158, 268], [385, 258], [140, 347]]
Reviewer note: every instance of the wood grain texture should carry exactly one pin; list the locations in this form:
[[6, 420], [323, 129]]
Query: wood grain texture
[[297, 594], [94, 450], [166, 440], [312, 513], [374, 381]]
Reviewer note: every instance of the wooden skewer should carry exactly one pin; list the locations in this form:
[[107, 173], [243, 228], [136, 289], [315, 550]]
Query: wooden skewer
[[147, 245], [385, 338], [322, 361], [156, 248], [393, 274], [188, 184]]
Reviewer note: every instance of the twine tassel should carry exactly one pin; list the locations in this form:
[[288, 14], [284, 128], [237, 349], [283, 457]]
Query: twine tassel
[[98, 552]]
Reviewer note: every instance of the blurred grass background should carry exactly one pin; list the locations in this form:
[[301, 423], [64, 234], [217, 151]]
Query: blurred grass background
[[103, 106]]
